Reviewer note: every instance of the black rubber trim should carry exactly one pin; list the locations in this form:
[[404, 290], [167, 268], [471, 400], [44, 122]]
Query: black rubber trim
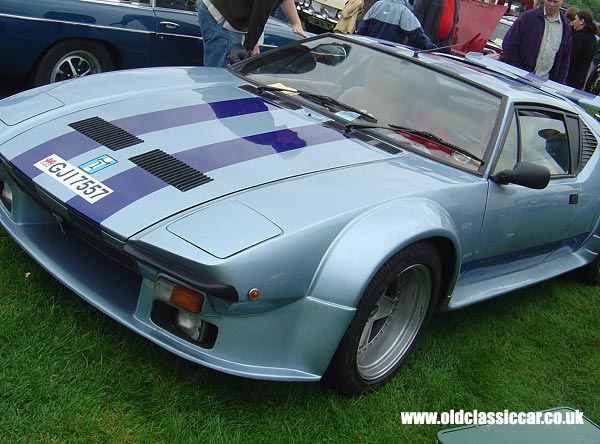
[[281, 101], [221, 291], [70, 221], [390, 149]]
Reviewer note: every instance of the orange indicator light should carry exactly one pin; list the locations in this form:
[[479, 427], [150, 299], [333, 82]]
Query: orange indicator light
[[187, 299]]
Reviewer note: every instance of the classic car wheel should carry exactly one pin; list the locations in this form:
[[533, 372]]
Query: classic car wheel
[[390, 318], [70, 59]]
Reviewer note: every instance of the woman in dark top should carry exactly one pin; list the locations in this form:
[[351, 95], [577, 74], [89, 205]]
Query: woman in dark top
[[584, 48]]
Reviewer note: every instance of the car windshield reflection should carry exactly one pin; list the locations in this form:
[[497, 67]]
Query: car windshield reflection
[[393, 90]]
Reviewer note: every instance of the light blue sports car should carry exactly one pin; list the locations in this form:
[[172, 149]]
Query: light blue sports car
[[301, 215]]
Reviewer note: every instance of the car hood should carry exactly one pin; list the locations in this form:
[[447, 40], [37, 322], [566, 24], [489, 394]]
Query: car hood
[[163, 151]]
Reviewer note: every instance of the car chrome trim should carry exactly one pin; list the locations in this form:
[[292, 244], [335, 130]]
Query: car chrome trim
[[113, 3], [178, 11], [172, 34], [83, 25]]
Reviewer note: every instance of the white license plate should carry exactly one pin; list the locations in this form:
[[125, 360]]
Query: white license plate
[[73, 178], [318, 22]]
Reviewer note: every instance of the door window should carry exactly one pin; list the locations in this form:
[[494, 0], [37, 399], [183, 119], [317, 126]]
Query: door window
[[181, 5], [539, 137]]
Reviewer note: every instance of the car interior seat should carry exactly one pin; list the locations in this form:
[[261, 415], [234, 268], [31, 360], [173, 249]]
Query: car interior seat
[[379, 95]]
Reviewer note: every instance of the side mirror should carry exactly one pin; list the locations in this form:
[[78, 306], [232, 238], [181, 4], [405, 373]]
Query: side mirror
[[525, 174]]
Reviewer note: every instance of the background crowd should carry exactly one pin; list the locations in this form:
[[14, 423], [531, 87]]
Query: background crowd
[[560, 46]]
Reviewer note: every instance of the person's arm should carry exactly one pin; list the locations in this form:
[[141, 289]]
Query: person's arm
[[255, 50], [289, 9], [363, 26], [563, 69], [259, 14], [511, 45], [411, 27], [352, 8], [418, 39]]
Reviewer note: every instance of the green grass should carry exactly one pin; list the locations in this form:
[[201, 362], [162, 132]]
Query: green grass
[[69, 374]]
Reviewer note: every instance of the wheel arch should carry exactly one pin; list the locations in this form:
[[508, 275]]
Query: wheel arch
[[371, 239]]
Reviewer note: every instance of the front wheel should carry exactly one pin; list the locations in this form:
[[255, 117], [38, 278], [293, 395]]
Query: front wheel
[[390, 319], [70, 59]]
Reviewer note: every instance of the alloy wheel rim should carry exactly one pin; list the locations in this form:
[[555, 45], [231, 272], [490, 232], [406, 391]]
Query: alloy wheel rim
[[75, 64], [394, 322]]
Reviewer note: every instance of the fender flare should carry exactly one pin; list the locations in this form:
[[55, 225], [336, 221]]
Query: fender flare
[[371, 239]]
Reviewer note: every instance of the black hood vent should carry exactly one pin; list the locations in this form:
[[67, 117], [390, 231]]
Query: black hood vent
[[105, 133], [588, 145], [170, 170]]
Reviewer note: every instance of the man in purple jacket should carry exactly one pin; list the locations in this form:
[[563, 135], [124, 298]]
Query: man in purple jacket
[[540, 42]]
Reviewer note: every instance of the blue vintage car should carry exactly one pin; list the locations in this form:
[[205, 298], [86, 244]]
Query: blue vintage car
[[301, 215], [52, 40]]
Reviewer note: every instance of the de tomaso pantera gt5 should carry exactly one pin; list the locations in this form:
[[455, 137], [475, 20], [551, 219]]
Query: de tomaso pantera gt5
[[301, 215]]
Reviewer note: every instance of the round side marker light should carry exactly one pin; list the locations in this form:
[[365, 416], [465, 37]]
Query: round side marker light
[[253, 294]]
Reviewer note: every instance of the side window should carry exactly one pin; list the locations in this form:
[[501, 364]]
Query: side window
[[133, 2], [181, 5], [538, 137]]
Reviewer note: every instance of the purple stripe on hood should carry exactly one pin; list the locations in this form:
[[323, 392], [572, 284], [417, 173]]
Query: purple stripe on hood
[[230, 152], [140, 183], [136, 183], [74, 143], [160, 120]]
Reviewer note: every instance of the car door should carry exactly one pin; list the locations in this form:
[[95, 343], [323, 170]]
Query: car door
[[523, 227], [178, 38]]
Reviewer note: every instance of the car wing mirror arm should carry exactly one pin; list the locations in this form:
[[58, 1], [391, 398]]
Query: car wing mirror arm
[[502, 177], [526, 174]]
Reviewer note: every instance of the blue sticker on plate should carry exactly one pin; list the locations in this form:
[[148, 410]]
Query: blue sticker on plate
[[97, 164]]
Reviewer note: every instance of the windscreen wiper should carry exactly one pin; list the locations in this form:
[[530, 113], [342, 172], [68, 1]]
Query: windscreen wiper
[[328, 102], [425, 134]]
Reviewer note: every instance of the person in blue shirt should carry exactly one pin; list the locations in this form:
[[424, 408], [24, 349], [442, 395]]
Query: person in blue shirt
[[394, 20]]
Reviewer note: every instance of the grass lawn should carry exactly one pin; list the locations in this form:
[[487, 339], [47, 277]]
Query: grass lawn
[[69, 374]]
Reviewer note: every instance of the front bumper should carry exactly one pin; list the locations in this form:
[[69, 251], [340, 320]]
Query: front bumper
[[291, 342]]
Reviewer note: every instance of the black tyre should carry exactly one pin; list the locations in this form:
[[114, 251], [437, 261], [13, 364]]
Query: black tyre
[[70, 59], [390, 319]]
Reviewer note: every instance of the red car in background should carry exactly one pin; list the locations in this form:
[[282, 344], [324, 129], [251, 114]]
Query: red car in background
[[476, 23], [478, 19]]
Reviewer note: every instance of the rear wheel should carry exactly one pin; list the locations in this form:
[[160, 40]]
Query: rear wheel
[[70, 59], [390, 319]]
